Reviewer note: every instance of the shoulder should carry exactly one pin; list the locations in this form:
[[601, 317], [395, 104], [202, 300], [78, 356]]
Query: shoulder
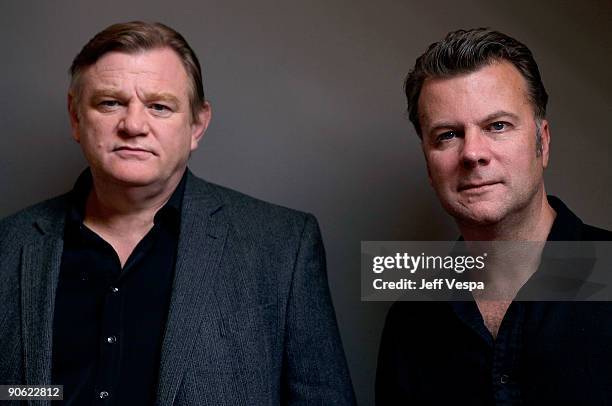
[[24, 222], [569, 227], [592, 233], [251, 214], [241, 204]]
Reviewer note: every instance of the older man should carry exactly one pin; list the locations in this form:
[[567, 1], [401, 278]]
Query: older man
[[145, 284], [478, 104]]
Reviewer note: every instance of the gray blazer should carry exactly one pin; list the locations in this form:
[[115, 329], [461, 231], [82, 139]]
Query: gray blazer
[[251, 320]]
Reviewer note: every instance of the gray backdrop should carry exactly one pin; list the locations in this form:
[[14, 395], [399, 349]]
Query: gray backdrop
[[308, 113]]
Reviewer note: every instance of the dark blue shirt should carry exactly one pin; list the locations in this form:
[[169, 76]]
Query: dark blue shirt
[[109, 321]]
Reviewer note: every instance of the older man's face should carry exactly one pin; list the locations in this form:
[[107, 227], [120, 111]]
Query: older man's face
[[479, 141], [133, 121]]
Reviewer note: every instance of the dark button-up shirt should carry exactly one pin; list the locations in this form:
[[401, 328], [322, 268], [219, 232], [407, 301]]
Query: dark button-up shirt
[[109, 321], [545, 353]]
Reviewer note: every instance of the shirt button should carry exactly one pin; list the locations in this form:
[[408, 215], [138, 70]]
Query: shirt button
[[504, 378], [114, 289], [111, 339], [103, 395]]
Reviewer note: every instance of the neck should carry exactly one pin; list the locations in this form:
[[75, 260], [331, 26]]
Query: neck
[[514, 248], [125, 210], [532, 223]]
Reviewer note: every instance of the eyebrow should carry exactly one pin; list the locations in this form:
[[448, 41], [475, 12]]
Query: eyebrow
[[444, 124], [499, 114], [110, 92], [167, 97], [493, 116]]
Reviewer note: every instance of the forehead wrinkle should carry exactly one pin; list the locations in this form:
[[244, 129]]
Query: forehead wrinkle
[[131, 64], [106, 90]]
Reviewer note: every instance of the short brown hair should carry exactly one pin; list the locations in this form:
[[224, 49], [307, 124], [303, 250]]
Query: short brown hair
[[137, 36], [465, 51]]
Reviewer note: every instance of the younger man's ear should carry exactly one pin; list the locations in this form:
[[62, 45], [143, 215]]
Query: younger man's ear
[[545, 139]]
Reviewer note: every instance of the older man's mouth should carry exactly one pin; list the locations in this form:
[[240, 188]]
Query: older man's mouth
[[477, 186], [135, 152]]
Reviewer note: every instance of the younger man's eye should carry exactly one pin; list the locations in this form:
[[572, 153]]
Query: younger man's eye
[[498, 126], [446, 136]]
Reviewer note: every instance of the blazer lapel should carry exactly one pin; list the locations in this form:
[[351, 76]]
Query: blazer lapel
[[202, 238], [40, 265]]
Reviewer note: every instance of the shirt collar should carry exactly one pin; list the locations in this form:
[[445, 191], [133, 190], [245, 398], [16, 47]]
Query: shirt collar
[[567, 226], [169, 214]]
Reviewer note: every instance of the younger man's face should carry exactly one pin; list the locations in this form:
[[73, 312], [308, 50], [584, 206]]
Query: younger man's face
[[479, 141]]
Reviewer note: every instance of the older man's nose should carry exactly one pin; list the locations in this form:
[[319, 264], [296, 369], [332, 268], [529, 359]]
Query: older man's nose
[[135, 121]]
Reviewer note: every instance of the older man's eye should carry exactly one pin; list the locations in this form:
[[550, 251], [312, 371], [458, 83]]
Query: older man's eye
[[160, 109], [108, 103]]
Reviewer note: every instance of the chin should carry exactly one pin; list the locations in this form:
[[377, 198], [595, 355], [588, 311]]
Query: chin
[[135, 180], [480, 214], [141, 175], [131, 176]]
